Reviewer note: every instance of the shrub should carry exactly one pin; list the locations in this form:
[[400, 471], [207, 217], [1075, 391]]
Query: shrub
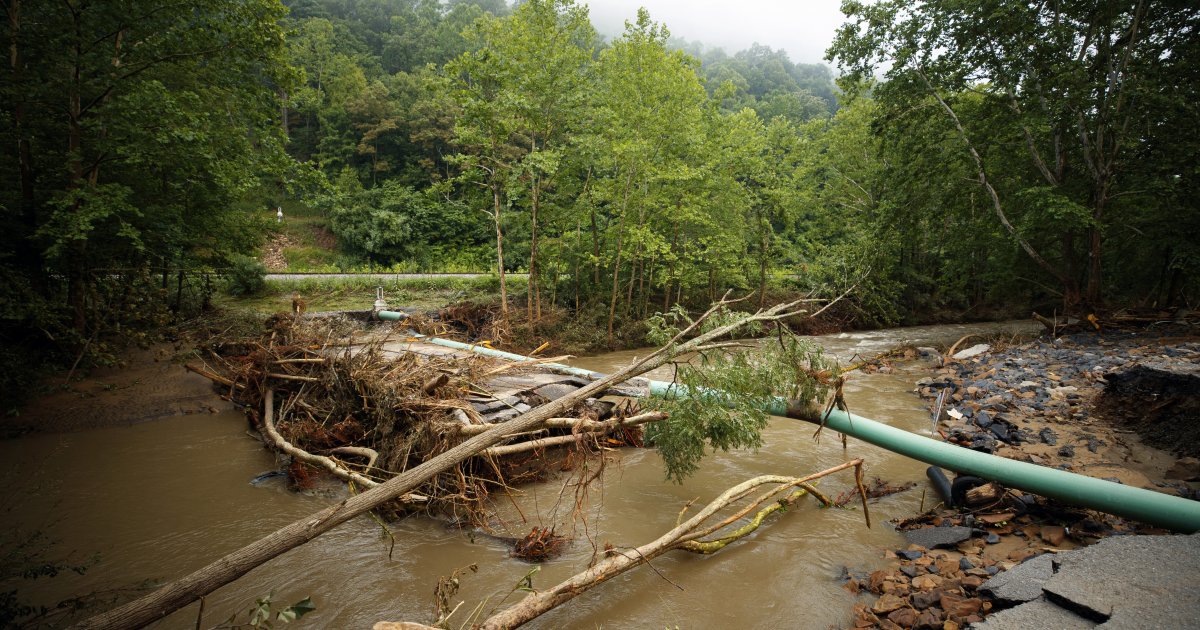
[[246, 277]]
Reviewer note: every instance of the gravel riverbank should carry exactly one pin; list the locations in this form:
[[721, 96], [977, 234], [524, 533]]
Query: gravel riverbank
[[1092, 404]]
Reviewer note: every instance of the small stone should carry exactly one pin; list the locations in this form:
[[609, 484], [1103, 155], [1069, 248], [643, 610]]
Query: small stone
[[863, 618], [1066, 451], [1185, 468], [971, 582], [909, 554], [924, 600], [992, 539], [903, 617], [960, 606], [1053, 534], [927, 582], [886, 604], [1048, 436], [875, 581], [950, 625], [931, 618], [965, 564], [1021, 555], [934, 537], [909, 570]]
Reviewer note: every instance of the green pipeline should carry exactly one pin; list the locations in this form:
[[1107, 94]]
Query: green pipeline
[[1147, 506]]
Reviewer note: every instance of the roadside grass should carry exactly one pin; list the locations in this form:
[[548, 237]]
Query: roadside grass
[[341, 294]]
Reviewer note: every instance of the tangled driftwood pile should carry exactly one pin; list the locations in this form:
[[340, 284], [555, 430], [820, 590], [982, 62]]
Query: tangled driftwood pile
[[365, 411]]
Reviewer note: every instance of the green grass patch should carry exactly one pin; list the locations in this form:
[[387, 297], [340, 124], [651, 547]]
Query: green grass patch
[[340, 294], [310, 258]]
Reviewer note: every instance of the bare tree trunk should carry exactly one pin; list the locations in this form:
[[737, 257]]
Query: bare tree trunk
[[499, 249], [534, 298], [619, 561], [283, 113], [1066, 282], [612, 303]]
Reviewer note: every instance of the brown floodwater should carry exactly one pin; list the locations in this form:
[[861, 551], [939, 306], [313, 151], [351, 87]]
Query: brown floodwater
[[157, 500]]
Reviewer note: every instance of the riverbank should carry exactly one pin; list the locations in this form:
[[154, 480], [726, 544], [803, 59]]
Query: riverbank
[[804, 539], [1048, 402]]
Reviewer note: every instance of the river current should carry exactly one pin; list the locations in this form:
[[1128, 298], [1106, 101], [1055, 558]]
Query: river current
[[155, 501]]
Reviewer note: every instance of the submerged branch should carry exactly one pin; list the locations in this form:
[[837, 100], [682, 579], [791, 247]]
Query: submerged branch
[[619, 561]]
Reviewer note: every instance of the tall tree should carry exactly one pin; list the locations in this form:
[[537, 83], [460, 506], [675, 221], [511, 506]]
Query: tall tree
[[1073, 84], [139, 125], [650, 122], [537, 60]]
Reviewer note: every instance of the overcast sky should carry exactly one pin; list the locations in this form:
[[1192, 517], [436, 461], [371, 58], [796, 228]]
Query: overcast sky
[[804, 28]]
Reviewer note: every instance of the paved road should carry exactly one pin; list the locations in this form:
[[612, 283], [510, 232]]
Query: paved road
[[379, 276]]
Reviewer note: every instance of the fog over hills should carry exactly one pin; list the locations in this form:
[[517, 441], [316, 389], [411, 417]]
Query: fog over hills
[[804, 29]]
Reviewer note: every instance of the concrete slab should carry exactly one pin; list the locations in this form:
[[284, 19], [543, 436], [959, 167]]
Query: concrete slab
[[1038, 614], [1022, 583]]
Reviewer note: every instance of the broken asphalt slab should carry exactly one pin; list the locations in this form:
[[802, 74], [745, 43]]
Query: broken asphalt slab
[[1022, 583], [1123, 582], [1131, 581], [1038, 613]]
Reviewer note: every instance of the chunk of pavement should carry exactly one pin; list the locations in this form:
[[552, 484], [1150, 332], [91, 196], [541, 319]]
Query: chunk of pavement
[[1038, 613], [934, 537], [1132, 581], [1022, 583], [973, 351], [554, 391]]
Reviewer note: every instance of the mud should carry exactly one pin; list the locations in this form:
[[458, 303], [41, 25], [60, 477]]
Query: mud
[[1160, 401], [148, 385]]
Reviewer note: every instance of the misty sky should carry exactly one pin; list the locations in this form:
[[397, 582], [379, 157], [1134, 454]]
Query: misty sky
[[804, 28]]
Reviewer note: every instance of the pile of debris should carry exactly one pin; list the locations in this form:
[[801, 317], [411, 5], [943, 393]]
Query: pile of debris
[[375, 406]]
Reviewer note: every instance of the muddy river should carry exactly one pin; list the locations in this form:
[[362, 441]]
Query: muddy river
[[157, 500]]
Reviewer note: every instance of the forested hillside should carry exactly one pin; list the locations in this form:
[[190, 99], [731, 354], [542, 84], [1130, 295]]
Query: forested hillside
[[972, 156]]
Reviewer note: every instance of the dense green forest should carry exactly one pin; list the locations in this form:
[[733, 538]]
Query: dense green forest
[[971, 155]]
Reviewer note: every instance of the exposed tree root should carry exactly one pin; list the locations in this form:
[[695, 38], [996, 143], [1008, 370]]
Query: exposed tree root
[[328, 464]]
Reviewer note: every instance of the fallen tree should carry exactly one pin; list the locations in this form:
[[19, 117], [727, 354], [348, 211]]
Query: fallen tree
[[699, 336], [686, 536], [620, 561]]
